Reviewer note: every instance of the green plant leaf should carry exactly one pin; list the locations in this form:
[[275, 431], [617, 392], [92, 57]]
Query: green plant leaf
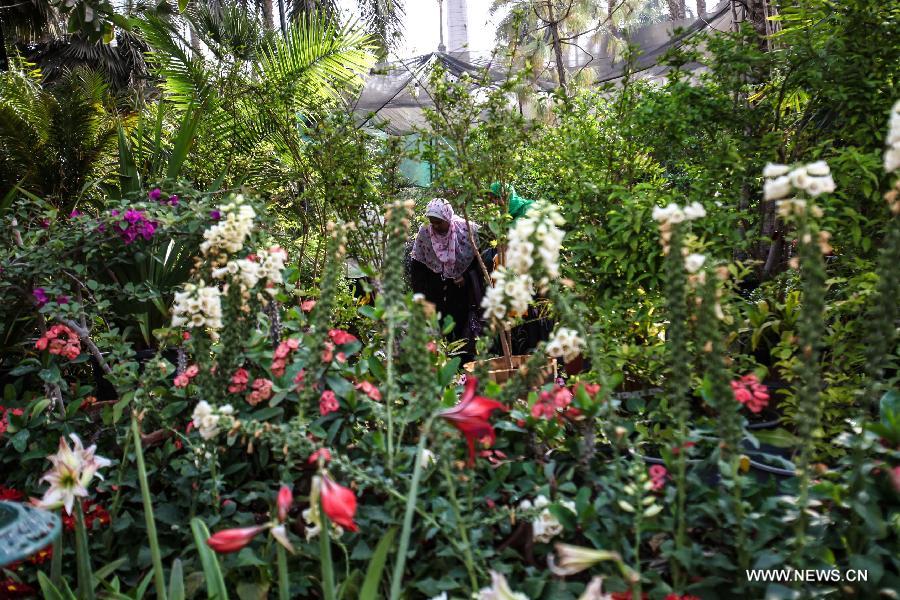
[[376, 566], [215, 583], [176, 581]]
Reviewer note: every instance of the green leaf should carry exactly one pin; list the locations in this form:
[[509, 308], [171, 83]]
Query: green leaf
[[889, 407], [182, 5], [107, 569], [176, 581], [376, 566], [215, 583], [51, 592]]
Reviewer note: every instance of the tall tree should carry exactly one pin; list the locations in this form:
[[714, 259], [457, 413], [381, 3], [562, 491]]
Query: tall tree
[[677, 9]]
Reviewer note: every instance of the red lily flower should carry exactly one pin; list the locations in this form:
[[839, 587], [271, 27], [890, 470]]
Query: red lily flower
[[285, 499], [339, 503], [232, 540], [471, 415]]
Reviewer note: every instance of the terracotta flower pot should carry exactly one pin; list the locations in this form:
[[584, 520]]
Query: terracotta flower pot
[[497, 371]]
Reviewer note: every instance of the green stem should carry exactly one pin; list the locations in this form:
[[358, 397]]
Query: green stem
[[389, 396], [463, 533], [636, 585], [159, 578], [56, 560], [400, 562], [284, 585], [83, 557], [325, 557]]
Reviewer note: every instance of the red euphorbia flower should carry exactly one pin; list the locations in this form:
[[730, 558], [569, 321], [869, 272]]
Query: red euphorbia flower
[[232, 540], [7, 493], [10, 588], [307, 305], [471, 415], [285, 499], [750, 392], [368, 388], [339, 336], [41, 556], [328, 403], [322, 453], [339, 503], [658, 476]]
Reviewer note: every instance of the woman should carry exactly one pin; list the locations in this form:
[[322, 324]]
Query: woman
[[444, 269]]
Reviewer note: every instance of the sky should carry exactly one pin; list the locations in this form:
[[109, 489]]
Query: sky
[[421, 25]]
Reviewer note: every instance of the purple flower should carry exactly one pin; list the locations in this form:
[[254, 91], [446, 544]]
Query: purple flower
[[147, 230], [133, 216], [62, 299], [40, 296], [101, 227], [114, 213], [154, 194], [75, 214], [45, 223], [173, 200], [215, 215]]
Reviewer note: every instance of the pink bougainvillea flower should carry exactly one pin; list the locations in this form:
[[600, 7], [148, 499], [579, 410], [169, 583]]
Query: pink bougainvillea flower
[[339, 337], [368, 388], [750, 392], [322, 453], [239, 381], [328, 403], [470, 416], [154, 194], [232, 540], [285, 499], [658, 475], [339, 503]]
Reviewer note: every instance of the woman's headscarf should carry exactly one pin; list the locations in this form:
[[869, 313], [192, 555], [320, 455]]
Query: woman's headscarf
[[518, 205], [450, 254]]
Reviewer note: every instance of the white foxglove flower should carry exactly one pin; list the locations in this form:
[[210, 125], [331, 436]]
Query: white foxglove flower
[[816, 186], [565, 342], [694, 210], [778, 188], [229, 234], [198, 307], [799, 178], [892, 159], [892, 154], [694, 262], [205, 420], [773, 170], [819, 168]]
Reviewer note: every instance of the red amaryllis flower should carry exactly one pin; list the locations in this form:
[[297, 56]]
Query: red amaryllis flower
[[471, 415], [339, 336], [232, 540], [322, 453], [339, 503], [285, 499]]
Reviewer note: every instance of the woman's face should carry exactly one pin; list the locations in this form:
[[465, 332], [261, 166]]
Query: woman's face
[[440, 226]]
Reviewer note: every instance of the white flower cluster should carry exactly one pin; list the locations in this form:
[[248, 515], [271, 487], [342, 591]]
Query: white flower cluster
[[781, 180], [535, 236], [673, 214], [198, 306], [694, 262], [267, 267], [540, 224], [229, 233], [546, 526], [565, 342], [509, 296], [892, 154], [206, 418]]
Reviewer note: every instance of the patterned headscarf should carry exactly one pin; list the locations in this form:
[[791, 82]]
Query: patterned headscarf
[[450, 254]]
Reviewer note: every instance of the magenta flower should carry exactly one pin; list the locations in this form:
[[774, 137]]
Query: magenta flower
[[215, 215], [62, 299], [40, 296], [45, 223], [154, 194], [133, 216], [173, 200], [75, 214], [114, 213], [658, 475]]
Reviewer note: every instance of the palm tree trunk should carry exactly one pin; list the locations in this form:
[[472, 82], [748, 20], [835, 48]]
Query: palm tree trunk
[[268, 11], [195, 41], [557, 44], [677, 9], [701, 8], [4, 59]]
